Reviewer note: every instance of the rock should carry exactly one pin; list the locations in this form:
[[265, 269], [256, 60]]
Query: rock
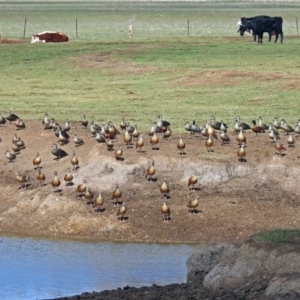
[[284, 286], [254, 262], [207, 257]]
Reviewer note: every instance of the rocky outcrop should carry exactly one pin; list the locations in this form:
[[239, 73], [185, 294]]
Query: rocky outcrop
[[273, 268]]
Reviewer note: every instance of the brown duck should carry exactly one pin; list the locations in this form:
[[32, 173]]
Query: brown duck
[[55, 182], [165, 210], [192, 204], [192, 181], [68, 177], [121, 212], [150, 171], [40, 177], [116, 195], [36, 161], [180, 145]]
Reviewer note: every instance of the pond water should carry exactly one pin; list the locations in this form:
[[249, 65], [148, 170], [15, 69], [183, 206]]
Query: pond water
[[46, 269]]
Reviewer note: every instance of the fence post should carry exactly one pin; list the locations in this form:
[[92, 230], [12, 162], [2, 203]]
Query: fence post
[[188, 25], [297, 25], [76, 29], [24, 28]]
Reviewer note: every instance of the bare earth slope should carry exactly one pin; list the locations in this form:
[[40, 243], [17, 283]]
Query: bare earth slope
[[236, 199]]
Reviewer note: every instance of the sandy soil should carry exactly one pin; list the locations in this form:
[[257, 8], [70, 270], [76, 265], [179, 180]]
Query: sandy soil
[[236, 199]]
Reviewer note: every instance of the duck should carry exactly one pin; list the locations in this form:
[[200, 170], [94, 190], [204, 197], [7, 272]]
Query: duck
[[112, 129], [116, 195], [135, 133], [180, 145], [10, 156], [20, 143], [241, 153], [192, 204], [49, 126], [121, 212], [192, 181], [256, 129], [100, 138], [279, 147], [152, 130], [167, 133], [241, 138], [127, 138], [211, 131], [209, 143], [20, 124], [40, 176], [2, 120], [165, 210], [273, 134], [238, 124], [67, 126], [119, 153], [84, 121], [15, 148], [188, 126], [162, 123], [285, 127], [15, 139], [123, 124], [150, 171], [224, 137], [98, 202], [94, 128], [274, 130], [139, 144], [88, 195], [63, 137], [129, 128], [81, 188], [263, 126], [164, 189], [214, 124], [204, 131], [154, 141], [22, 179], [59, 153], [297, 128], [223, 127], [45, 119], [77, 141], [276, 124], [55, 181], [195, 128], [36, 161], [109, 144], [291, 141], [68, 177], [74, 161], [11, 117]]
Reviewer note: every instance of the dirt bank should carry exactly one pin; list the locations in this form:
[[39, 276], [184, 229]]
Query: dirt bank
[[235, 199]]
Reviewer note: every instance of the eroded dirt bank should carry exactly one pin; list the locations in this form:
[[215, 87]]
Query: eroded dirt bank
[[235, 199]]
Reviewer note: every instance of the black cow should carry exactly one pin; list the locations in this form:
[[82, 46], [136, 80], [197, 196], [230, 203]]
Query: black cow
[[261, 25], [242, 29]]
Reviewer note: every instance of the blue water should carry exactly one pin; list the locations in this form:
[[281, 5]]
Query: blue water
[[45, 269]]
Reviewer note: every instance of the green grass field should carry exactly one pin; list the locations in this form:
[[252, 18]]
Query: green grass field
[[108, 76]]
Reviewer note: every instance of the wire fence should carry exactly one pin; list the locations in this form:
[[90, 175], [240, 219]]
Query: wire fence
[[111, 21]]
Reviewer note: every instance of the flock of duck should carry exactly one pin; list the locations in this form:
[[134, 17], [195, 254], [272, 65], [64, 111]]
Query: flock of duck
[[107, 134]]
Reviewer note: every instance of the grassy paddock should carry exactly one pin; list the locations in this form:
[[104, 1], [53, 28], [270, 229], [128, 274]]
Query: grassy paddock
[[106, 21], [182, 78]]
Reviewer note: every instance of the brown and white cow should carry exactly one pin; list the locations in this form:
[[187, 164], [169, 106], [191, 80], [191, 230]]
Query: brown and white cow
[[49, 37]]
